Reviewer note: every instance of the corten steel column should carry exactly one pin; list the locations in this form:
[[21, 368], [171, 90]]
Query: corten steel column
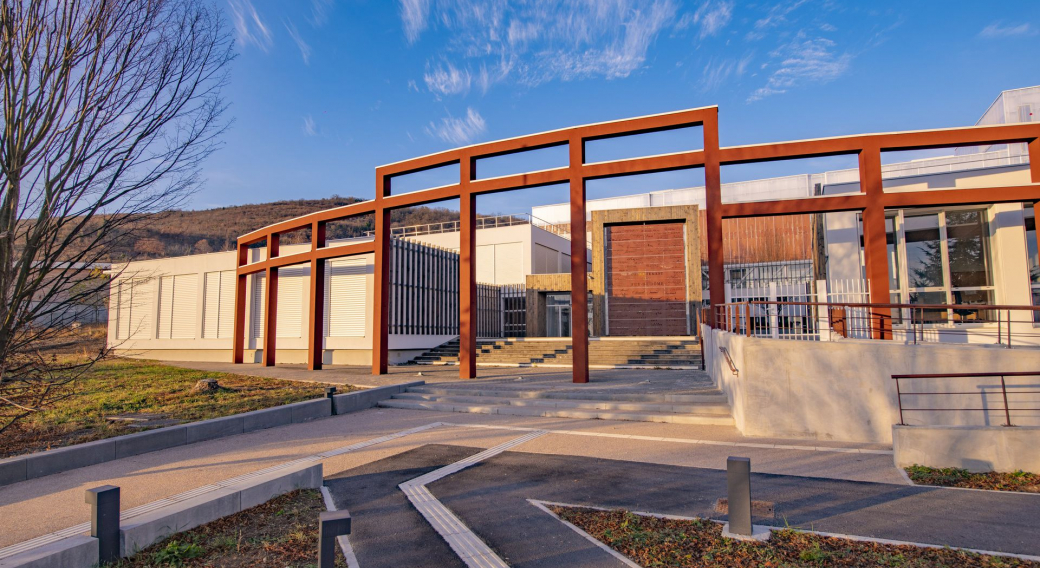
[[713, 215], [579, 262], [316, 329], [271, 303], [875, 247], [381, 308], [468, 312], [238, 341], [1034, 170]]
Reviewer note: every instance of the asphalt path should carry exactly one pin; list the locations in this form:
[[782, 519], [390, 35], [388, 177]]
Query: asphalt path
[[492, 499]]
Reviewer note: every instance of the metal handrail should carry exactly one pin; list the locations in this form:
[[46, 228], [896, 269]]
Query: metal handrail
[[1003, 391]]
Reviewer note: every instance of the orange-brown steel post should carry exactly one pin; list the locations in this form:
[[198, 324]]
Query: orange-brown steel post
[[713, 214], [238, 341], [381, 300], [1034, 170], [316, 329], [875, 247], [467, 273], [579, 262], [271, 303]]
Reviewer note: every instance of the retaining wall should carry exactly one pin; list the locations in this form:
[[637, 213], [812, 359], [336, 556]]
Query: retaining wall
[[31, 466], [974, 448], [843, 390]]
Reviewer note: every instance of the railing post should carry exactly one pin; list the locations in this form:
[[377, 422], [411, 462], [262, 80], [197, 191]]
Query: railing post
[[1007, 411], [899, 401]]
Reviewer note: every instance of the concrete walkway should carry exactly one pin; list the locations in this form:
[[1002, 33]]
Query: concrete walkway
[[40, 506]]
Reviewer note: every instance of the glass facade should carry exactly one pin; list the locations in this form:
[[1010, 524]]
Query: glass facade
[[940, 257], [1034, 257]]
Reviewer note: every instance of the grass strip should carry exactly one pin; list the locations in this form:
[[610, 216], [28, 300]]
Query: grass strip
[[1020, 481], [654, 542]]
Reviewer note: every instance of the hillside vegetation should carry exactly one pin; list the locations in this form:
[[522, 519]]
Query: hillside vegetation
[[178, 233]]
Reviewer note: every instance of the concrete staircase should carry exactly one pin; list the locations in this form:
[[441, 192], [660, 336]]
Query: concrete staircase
[[708, 407], [636, 353]]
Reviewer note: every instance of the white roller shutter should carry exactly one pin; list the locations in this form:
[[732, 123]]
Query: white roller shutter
[[259, 286], [486, 264], [178, 300], [345, 312], [140, 309], [122, 308], [218, 310], [292, 283]]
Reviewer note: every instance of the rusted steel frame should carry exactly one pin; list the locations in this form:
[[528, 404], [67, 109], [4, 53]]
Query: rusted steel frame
[[922, 140], [306, 257], [829, 204], [238, 341], [381, 289], [271, 303], [713, 213], [316, 327], [303, 221], [875, 247], [468, 312], [579, 260], [973, 196], [650, 164]]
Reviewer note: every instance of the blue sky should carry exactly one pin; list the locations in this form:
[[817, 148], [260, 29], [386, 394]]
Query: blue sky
[[325, 90]]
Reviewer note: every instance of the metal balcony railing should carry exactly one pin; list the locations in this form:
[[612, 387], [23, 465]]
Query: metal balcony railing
[[980, 394], [482, 223], [910, 323]]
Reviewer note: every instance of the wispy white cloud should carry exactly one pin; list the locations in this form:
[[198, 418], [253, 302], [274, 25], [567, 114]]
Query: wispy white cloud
[[778, 14], [539, 40], [458, 131], [305, 50], [997, 30], [320, 12], [716, 73], [309, 127], [446, 79], [710, 17], [803, 60], [414, 16], [250, 28]]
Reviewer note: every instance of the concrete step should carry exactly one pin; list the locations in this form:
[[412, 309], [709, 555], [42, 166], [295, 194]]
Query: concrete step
[[705, 409], [638, 416], [706, 396]]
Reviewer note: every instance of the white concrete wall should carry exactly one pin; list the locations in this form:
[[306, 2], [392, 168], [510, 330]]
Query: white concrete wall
[[977, 449], [843, 390]]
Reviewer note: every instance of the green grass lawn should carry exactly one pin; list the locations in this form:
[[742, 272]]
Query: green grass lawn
[[120, 386]]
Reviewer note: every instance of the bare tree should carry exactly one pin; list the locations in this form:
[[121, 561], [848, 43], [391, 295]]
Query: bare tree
[[109, 106]]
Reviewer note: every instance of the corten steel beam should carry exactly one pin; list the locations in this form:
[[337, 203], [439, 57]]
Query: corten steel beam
[[316, 329], [713, 216], [579, 270], [468, 312], [872, 201], [238, 340], [271, 303], [381, 299], [875, 247], [307, 256]]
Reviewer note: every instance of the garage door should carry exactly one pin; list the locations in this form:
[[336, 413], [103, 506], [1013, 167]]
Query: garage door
[[646, 279]]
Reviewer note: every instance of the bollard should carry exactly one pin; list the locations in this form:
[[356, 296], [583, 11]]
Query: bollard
[[738, 481], [332, 524], [329, 393], [104, 521]]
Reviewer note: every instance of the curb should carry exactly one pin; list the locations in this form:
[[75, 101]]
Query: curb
[[141, 531], [40, 464]]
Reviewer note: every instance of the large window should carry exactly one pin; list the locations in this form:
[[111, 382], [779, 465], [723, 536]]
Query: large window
[[940, 257]]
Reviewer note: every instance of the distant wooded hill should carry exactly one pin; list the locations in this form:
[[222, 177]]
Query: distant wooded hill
[[178, 233]]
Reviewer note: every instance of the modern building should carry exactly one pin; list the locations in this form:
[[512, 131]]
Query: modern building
[[647, 275]]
